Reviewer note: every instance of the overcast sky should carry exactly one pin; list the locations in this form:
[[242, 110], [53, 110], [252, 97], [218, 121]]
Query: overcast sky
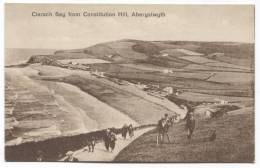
[[196, 23]]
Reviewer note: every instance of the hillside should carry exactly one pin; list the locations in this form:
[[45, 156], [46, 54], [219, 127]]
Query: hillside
[[193, 65], [234, 142], [149, 51]]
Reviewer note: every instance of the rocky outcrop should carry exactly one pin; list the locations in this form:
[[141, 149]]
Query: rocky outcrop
[[44, 60]]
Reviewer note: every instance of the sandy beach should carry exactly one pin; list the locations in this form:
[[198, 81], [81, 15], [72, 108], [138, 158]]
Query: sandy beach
[[67, 109]]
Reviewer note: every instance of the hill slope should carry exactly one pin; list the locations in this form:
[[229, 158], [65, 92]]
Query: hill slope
[[136, 50], [234, 142]]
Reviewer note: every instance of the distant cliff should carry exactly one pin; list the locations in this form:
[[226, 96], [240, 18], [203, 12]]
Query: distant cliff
[[43, 59]]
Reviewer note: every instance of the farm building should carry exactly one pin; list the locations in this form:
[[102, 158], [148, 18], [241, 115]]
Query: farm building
[[97, 73], [223, 102], [109, 55], [168, 90], [165, 55], [177, 93], [73, 63], [141, 86], [167, 71], [208, 114]]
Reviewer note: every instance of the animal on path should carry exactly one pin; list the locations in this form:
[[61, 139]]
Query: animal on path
[[90, 146], [163, 128]]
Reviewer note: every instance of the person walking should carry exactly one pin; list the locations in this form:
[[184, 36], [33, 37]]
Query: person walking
[[106, 139], [39, 156], [131, 130], [112, 141], [190, 124], [166, 117], [124, 131], [70, 157]]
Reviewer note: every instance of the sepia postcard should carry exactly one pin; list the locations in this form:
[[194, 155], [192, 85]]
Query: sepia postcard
[[129, 83]]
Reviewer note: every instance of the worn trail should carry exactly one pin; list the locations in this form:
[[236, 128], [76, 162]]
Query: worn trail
[[101, 154]]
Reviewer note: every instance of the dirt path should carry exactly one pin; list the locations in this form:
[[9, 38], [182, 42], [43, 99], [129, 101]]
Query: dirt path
[[101, 154]]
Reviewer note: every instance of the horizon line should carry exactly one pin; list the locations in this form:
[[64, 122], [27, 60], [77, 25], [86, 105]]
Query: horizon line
[[133, 39]]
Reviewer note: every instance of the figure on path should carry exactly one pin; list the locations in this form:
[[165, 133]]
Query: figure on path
[[131, 130], [39, 156], [91, 142], [70, 157], [124, 131], [190, 124], [106, 139], [213, 136], [163, 128], [110, 140]]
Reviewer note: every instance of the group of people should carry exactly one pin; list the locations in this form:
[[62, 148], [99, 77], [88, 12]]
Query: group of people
[[110, 140], [109, 137], [166, 122], [127, 129]]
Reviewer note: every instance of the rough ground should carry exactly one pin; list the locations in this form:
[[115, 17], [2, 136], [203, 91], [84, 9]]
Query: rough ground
[[234, 142]]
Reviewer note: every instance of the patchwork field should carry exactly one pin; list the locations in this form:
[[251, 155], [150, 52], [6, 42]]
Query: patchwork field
[[84, 61], [231, 77], [198, 59]]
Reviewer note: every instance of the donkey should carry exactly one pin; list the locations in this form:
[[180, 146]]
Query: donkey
[[162, 128]]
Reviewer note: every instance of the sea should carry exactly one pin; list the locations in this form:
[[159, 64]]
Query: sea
[[14, 56]]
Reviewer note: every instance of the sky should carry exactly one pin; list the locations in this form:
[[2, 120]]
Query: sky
[[182, 22]]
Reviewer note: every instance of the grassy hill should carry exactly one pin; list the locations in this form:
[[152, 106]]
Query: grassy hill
[[200, 58], [132, 50], [234, 142], [211, 68]]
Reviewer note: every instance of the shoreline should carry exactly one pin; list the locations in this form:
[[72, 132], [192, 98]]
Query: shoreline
[[79, 107]]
